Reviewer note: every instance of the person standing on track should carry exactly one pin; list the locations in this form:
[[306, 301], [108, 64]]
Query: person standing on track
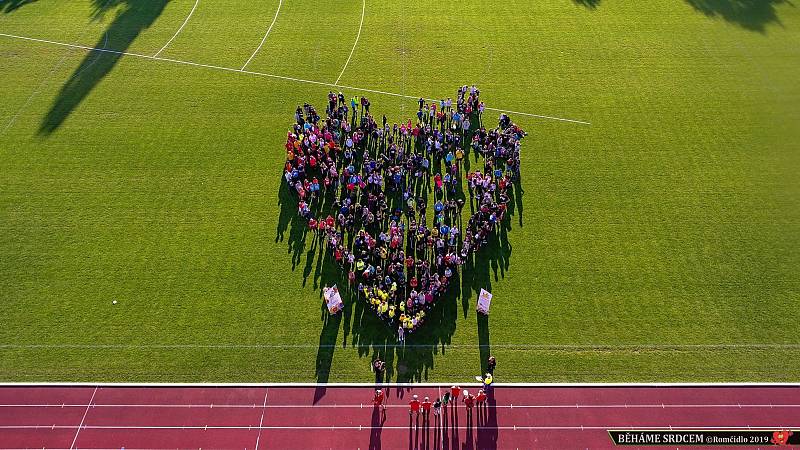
[[487, 382], [380, 401], [455, 391], [426, 410], [469, 402], [480, 400], [379, 367], [413, 406], [437, 409]]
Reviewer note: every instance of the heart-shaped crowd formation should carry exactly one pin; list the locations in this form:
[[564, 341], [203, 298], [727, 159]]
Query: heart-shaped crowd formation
[[364, 187]]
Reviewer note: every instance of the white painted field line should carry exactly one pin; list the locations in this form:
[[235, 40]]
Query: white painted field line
[[265, 406], [543, 347], [75, 439], [261, 74], [280, 3], [179, 29], [538, 115], [369, 427], [358, 36], [261, 422]]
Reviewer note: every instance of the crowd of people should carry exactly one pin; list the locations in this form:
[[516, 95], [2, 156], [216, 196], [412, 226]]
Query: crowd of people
[[375, 179]]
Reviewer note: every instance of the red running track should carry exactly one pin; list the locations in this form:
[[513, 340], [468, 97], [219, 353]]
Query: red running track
[[342, 417]]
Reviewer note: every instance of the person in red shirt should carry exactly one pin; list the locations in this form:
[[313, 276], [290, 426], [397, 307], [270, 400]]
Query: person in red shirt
[[414, 406], [426, 408], [480, 399], [380, 400], [469, 402], [454, 393]]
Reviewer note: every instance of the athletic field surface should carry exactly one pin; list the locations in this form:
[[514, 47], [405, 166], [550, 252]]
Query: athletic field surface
[[342, 417], [147, 235]]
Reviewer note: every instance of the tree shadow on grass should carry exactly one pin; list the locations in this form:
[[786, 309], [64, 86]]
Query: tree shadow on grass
[[135, 17], [9, 6], [590, 4], [752, 15]]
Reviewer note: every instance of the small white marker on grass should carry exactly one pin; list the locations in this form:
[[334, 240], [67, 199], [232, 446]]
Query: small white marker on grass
[[113, 302]]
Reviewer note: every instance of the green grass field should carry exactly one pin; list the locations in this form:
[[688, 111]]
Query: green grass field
[[659, 243]]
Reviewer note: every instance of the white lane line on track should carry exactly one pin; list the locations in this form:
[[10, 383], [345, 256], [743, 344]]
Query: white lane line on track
[[179, 29], [280, 3], [261, 422], [369, 427], [269, 75], [75, 439], [358, 36], [265, 406]]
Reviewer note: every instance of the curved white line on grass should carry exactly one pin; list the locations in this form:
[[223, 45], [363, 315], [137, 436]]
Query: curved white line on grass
[[280, 3], [358, 36], [179, 29], [261, 74]]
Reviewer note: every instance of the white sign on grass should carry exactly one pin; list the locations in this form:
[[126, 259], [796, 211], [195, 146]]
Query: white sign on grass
[[333, 299], [484, 301]]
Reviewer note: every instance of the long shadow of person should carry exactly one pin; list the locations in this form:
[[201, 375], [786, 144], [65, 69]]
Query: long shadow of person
[[426, 432], [469, 442], [454, 438], [416, 432], [436, 431], [378, 418], [134, 18], [487, 431], [445, 435], [327, 345]]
